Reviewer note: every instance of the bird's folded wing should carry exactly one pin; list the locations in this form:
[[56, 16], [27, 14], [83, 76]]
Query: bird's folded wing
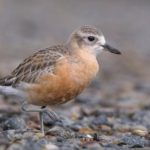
[[33, 67]]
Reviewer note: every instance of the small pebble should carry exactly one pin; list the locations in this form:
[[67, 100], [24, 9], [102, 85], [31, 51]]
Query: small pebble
[[61, 132], [140, 130], [51, 146], [133, 141], [94, 146], [14, 123], [101, 120], [86, 131], [105, 128], [96, 137], [76, 127], [60, 139], [14, 147]]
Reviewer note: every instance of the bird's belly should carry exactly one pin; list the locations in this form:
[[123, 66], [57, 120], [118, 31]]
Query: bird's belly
[[68, 80]]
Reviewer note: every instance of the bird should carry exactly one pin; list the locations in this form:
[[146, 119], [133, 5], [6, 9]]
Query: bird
[[57, 74]]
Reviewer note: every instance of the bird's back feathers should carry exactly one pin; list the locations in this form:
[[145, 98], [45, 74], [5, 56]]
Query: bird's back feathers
[[33, 67]]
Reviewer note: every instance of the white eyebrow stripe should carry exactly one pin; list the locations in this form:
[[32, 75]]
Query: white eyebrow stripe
[[87, 34]]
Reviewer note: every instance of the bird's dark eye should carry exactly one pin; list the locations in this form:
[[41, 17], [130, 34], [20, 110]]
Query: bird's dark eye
[[91, 38]]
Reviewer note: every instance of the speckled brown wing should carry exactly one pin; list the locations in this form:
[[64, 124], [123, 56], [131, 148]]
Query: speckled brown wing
[[33, 67]]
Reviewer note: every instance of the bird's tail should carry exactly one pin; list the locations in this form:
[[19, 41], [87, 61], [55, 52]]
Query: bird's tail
[[6, 81], [2, 81]]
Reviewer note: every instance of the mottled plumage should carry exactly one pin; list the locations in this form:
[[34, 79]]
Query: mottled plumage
[[90, 30], [41, 62]]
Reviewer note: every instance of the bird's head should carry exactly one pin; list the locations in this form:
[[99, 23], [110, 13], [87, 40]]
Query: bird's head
[[91, 39]]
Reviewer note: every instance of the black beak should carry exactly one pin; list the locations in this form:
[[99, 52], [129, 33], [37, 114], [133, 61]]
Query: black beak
[[111, 49]]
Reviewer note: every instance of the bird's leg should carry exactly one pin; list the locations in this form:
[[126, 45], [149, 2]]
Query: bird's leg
[[40, 110], [41, 119], [54, 117], [43, 109], [25, 108]]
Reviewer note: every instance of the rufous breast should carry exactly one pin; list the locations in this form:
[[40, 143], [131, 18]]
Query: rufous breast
[[71, 75]]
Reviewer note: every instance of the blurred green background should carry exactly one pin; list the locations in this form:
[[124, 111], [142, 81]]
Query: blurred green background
[[30, 25]]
